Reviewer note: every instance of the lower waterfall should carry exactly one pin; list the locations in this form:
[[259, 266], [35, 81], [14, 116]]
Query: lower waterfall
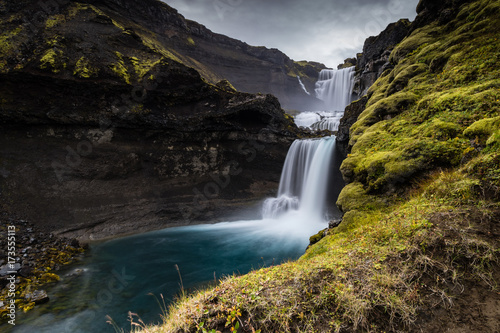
[[304, 181]]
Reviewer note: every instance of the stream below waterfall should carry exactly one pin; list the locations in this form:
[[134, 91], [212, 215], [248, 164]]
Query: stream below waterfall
[[130, 274]]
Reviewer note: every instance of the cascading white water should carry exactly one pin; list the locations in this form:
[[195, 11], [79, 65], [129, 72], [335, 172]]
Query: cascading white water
[[334, 87], [303, 86], [304, 181], [321, 120]]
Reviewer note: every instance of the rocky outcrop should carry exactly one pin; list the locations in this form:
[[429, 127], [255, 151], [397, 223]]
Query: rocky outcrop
[[375, 57], [349, 62], [351, 115], [442, 11], [105, 131], [369, 67], [37, 255]]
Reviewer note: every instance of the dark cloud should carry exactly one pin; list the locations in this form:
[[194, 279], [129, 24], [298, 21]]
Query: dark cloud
[[327, 31]]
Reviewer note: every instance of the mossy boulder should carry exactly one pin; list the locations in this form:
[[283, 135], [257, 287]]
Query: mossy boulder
[[485, 130], [355, 197]]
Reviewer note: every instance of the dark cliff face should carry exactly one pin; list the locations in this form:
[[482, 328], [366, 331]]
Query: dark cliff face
[[375, 57], [105, 131], [248, 68]]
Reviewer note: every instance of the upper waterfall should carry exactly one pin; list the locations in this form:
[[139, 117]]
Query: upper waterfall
[[334, 87]]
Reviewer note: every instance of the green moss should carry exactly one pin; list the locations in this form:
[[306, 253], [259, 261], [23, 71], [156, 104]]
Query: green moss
[[143, 66], [6, 40], [419, 39], [226, 86], [84, 70], [355, 197], [139, 109], [485, 168], [403, 74], [494, 139], [483, 129], [153, 44], [53, 60], [384, 109], [316, 238], [445, 79], [190, 41], [49, 277], [436, 128], [120, 69], [304, 69], [76, 7], [54, 20], [452, 186], [8, 44]]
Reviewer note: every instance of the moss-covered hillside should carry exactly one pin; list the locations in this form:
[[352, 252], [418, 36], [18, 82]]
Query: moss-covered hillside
[[418, 246]]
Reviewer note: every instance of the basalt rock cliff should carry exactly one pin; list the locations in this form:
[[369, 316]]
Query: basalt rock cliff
[[105, 130], [215, 56]]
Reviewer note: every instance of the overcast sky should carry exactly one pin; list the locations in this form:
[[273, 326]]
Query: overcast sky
[[326, 31]]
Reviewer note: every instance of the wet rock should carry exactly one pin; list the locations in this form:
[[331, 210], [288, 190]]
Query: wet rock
[[38, 297], [316, 238], [26, 271], [351, 114], [334, 223], [5, 269], [75, 272], [3, 283]]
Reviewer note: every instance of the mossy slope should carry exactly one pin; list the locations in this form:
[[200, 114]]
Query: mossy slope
[[422, 209]]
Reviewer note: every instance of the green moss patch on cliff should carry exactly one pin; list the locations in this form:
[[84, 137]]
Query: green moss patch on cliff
[[53, 60], [8, 45], [84, 70]]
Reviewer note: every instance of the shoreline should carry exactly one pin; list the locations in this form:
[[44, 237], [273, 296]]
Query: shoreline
[[227, 210], [33, 265]]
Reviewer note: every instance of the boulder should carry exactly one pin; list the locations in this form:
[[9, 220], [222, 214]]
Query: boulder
[[38, 297]]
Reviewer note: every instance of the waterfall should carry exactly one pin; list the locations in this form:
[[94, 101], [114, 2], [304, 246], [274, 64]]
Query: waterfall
[[334, 87], [302, 85], [304, 181], [321, 120]]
